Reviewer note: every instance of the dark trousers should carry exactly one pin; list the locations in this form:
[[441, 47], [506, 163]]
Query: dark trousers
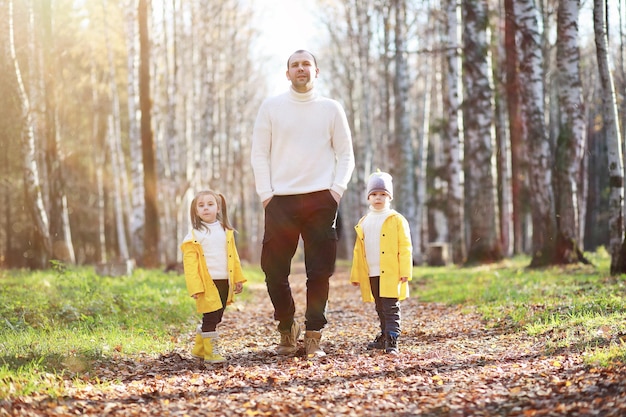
[[388, 310], [212, 319], [287, 218]]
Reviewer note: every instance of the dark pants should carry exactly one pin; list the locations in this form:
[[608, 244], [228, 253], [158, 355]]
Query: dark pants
[[212, 319], [388, 310], [313, 217]]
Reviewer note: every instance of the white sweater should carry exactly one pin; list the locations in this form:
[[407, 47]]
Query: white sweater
[[301, 144], [372, 225], [213, 242]]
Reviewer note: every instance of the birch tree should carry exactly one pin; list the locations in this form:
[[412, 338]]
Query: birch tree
[[617, 244], [361, 18], [10, 165], [478, 119], [169, 143], [119, 178], [403, 170], [540, 160], [571, 137], [453, 143], [136, 222], [60, 233], [98, 153], [354, 79], [41, 250]]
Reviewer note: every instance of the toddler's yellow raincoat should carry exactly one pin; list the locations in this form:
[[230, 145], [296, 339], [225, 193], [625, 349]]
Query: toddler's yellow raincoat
[[396, 259]]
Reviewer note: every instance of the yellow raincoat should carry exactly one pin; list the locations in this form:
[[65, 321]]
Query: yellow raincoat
[[199, 279], [396, 259]]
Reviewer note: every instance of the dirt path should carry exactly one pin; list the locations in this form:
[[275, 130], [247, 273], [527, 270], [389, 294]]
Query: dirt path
[[450, 364]]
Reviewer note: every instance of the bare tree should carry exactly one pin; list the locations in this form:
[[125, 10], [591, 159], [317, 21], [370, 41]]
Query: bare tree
[[403, 151], [356, 81], [136, 219], [539, 152], [151, 228], [41, 250], [454, 133], [617, 246], [571, 138], [517, 128], [117, 158], [478, 119], [60, 234], [203, 109], [503, 148]]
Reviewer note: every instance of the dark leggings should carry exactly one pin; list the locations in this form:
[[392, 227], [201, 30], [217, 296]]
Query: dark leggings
[[388, 309], [212, 319]]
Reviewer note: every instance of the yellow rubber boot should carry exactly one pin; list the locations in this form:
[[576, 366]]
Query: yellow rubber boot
[[198, 348], [211, 348]]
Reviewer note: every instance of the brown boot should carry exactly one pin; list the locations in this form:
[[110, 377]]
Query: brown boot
[[312, 344], [289, 340]]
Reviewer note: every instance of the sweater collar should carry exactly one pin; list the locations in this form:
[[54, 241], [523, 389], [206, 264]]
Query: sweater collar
[[308, 96], [215, 223], [381, 212]]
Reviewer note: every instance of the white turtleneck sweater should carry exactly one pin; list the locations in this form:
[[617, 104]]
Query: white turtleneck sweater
[[301, 144], [372, 225], [213, 242]]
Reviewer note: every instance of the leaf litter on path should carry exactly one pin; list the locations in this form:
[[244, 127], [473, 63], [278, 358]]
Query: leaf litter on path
[[450, 364]]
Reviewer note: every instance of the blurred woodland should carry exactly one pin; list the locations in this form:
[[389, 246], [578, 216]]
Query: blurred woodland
[[500, 120]]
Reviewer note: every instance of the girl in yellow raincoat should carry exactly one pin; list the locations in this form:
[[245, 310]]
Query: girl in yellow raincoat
[[213, 272], [382, 262]]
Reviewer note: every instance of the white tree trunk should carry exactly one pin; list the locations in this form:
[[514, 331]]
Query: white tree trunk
[[136, 215], [454, 133], [118, 166], [98, 151], [404, 194], [572, 129], [478, 119], [613, 141], [34, 198], [118, 206], [168, 141], [539, 153]]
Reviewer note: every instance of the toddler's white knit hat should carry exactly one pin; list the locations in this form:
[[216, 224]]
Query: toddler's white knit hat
[[380, 181]]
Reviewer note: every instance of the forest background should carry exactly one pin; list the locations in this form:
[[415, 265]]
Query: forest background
[[501, 122]]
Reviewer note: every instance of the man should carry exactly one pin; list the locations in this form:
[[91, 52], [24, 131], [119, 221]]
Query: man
[[302, 159]]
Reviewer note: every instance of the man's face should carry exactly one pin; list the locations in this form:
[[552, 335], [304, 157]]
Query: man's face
[[302, 71]]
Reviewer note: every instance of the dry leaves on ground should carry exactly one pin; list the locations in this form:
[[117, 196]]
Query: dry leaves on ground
[[451, 364]]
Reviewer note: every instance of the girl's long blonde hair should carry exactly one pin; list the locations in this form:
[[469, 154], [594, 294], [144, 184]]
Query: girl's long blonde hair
[[222, 214]]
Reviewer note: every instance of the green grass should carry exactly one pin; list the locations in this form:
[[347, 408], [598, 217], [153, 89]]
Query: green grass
[[576, 307], [54, 324]]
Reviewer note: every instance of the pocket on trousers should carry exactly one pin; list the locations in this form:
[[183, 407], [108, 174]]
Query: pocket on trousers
[[330, 195]]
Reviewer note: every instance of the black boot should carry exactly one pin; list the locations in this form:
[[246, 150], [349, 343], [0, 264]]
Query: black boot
[[378, 343], [391, 344]]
